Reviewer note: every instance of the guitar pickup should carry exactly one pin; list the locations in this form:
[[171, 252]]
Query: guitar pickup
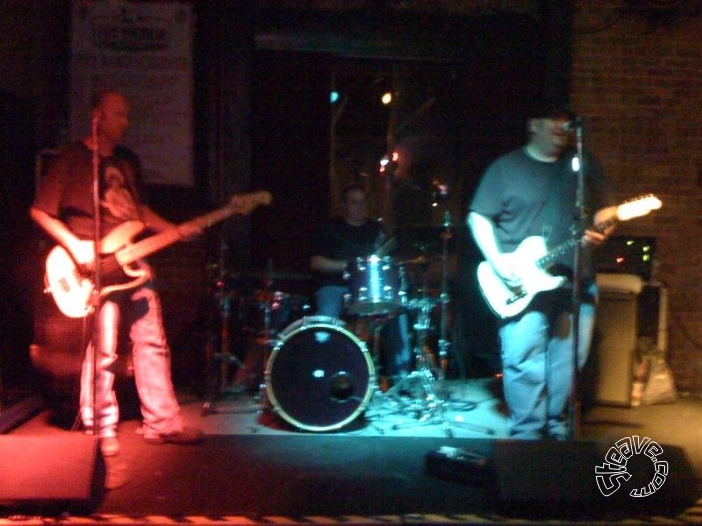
[[516, 297]]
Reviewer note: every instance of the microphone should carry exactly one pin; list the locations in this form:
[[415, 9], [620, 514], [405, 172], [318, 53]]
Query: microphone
[[573, 123]]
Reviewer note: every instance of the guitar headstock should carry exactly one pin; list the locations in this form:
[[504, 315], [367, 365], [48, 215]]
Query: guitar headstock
[[638, 207], [247, 203]]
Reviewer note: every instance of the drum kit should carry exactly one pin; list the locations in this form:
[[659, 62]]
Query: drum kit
[[319, 372]]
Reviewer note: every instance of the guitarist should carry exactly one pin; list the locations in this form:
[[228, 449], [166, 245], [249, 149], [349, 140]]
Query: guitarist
[[531, 191], [64, 208]]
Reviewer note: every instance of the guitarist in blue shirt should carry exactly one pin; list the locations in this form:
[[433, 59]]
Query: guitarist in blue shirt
[[524, 206], [64, 208]]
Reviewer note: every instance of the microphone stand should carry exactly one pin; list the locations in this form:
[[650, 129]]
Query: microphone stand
[[97, 274], [574, 415]]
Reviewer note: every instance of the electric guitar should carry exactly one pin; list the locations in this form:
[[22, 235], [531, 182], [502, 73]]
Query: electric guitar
[[70, 284], [532, 260]]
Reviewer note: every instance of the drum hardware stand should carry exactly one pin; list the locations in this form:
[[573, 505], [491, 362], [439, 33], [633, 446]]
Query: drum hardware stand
[[431, 408], [268, 339], [417, 394], [372, 331], [444, 343], [225, 359]]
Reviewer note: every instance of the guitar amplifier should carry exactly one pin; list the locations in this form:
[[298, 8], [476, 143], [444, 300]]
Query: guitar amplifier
[[627, 255]]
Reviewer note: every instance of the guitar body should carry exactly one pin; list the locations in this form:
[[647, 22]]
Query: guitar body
[[507, 302], [72, 287], [531, 260]]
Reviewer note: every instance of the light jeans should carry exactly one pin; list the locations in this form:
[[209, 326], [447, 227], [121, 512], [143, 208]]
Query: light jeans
[[538, 363], [152, 366], [330, 300]]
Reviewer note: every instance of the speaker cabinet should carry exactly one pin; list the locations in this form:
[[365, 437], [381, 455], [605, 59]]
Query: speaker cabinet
[[623, 319], [65, 470], [614, 347]]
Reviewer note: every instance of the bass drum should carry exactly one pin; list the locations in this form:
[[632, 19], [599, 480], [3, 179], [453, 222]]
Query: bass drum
[[319, 376]]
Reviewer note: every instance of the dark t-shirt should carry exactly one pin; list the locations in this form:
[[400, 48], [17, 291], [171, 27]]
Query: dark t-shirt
[[337, 239], [525, 197], [66, 192]]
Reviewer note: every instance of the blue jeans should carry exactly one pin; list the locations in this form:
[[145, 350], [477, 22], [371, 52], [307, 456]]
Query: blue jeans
[[152, 366], [538, 362], [330, 300]]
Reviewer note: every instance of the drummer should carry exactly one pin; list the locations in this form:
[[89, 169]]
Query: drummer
[[337, 245]]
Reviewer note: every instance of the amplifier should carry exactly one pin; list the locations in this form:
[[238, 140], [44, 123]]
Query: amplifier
[[627, 323], [627, 255]]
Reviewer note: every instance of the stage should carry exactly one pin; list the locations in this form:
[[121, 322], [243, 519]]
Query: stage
[[441, 457]]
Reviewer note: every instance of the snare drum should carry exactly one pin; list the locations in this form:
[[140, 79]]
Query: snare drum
[[319, 376], [375, 287]]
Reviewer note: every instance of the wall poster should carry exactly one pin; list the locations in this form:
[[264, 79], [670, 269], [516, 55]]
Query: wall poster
[[144, 49]]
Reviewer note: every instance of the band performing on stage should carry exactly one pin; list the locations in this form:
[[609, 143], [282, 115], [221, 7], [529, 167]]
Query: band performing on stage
[[373, 321]]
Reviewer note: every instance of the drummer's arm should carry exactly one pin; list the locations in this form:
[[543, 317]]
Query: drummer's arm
[[327, 265]]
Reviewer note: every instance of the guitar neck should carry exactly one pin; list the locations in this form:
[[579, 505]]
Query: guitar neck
[[152, 244], [549, 259]]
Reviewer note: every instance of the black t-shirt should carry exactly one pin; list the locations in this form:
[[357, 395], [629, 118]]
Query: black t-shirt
[[66, 192], [525, 197], [337, 239]]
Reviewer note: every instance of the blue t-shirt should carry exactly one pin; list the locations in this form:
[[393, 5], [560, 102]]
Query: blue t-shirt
[[526, 197]]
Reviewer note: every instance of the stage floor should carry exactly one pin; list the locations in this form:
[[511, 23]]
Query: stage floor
[[262, 464]]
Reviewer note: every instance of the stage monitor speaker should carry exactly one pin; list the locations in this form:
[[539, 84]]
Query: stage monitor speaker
[[45, 471], [544, 473]]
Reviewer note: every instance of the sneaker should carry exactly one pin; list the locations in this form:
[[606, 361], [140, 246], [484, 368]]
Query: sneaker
[[187, 435], [109, 446]]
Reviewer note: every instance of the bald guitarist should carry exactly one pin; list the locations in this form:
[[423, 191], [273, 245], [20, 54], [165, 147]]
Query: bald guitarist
[[64, 208]]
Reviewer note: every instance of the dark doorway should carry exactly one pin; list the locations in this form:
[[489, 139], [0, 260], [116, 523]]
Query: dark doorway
[[290, 130]]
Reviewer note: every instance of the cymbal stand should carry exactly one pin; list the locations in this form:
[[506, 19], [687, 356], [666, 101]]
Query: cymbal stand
[[217, 380], [268, 339], [444, 299], [424, 401]]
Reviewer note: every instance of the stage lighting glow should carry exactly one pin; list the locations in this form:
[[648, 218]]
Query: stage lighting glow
[[334, 97], [386, 98]]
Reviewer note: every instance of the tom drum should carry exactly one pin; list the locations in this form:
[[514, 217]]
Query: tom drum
[[375, 287]]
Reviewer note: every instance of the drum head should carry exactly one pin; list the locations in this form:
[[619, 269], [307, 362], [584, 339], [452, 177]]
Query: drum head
[[319, 377]]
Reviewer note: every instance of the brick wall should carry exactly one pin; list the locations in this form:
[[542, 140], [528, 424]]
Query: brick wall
[[638, 79]]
